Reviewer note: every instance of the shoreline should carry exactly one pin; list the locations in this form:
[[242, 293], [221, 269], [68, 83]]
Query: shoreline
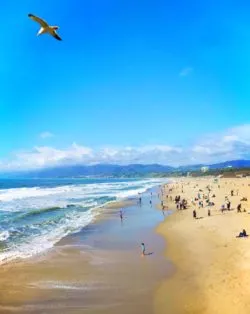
[[38, 216], [107, 208], [99, 212], [99, 266]]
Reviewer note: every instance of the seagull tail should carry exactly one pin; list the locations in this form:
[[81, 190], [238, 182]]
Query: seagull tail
[[41, 31]]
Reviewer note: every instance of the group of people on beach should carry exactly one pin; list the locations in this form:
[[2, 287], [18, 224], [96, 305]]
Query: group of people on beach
[[206, 197], [180, 203]]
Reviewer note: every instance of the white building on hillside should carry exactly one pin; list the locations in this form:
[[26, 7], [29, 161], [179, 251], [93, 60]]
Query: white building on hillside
[[204, 169]]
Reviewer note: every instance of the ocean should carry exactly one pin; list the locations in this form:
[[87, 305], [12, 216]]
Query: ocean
[[36, 213]]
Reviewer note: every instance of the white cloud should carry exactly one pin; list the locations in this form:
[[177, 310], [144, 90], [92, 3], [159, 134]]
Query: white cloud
[[46, 134], [44, 156], [231, 144], [186, 71]]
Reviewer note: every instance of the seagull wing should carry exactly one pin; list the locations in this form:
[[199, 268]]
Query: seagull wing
[[38, 20], [56, 36]]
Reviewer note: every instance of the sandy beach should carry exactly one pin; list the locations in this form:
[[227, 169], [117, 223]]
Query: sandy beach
[[212, 266], [197, 266]]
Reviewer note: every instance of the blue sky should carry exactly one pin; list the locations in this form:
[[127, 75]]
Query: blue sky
[[131, 81]]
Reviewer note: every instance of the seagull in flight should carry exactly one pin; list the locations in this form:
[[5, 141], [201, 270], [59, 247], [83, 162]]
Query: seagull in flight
[[45, 27]]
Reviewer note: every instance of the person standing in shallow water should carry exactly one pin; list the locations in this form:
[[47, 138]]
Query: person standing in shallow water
[[139, 200], [143, 249], [121, 214]]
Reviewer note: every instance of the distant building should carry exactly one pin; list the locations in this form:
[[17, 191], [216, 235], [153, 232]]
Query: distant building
[[239, 175], [204, 169]]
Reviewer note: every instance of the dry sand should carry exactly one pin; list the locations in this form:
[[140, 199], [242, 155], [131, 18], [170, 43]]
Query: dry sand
[[212, 265]]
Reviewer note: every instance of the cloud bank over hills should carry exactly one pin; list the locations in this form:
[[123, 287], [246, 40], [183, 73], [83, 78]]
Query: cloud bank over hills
[[231, 144]]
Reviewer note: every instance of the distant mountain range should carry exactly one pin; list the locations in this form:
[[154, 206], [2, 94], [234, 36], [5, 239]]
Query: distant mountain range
[[133, 170], [233, 164], [100, 170], [222, 165]]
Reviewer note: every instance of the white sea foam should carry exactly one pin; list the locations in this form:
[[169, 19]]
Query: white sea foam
[[62, 285], [20, 193], [4, 235], [20, 199], [71, 223]]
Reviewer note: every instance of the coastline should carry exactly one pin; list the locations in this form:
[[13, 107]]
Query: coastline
[[39, 214], [211, 264], [99, 269]]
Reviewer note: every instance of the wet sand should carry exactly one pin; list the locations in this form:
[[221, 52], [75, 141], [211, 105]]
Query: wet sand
[[99, 270], [212, 265]]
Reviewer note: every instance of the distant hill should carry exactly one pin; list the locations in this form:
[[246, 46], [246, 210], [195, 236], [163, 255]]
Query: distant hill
[[226, 164], [233, 163], [101, 170], [133, 170], [189, 167]]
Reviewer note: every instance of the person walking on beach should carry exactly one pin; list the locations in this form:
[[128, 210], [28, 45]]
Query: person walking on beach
[[121, 214], [143, 249], [194, 214], [163, 211]]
